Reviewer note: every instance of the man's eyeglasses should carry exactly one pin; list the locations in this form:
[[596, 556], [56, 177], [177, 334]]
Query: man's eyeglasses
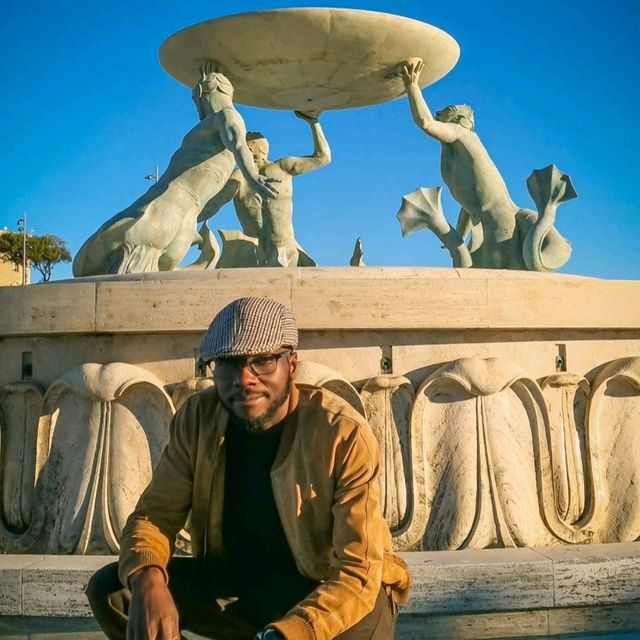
[[260, 365]]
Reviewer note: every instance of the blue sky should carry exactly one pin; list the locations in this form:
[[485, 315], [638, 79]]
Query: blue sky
[[88, 112]]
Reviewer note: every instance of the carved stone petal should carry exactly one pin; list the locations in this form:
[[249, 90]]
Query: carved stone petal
[[319, 375], [20, 457], [482, 377], [613, 442], [566, 395], [108, 425], [480, 422], [189, 387], [102, 383], [387, 401]]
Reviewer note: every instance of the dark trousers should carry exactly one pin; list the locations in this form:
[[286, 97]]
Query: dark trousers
[[214, 602]]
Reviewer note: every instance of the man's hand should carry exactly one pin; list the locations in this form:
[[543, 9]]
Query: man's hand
[[152, 612], [269, 634]]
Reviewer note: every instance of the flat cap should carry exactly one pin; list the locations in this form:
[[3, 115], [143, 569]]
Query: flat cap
[[249, 326]]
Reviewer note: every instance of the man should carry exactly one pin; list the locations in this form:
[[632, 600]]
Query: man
[[157, 230], [281, 486], [271, 220]]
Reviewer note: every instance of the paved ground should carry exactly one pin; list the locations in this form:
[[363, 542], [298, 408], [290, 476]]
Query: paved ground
[[12, 628], [40, 628]]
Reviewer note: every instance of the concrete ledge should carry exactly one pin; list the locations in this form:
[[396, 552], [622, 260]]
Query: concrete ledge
[[508, 593], [542, 623], [43, 628], [490, 593], [523, 579], [480, 580], [597, 574], [324, 299], [42, 585]]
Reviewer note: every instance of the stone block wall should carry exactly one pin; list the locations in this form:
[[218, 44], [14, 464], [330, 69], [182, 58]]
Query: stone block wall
[[505, 403]]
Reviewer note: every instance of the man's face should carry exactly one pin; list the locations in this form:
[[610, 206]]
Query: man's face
[[261, 400], [259, 150]]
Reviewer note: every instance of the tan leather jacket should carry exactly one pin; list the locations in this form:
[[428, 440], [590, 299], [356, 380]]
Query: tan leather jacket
[[325, 483]]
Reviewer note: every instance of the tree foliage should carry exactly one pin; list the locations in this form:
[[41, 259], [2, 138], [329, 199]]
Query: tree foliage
[[43, 252]]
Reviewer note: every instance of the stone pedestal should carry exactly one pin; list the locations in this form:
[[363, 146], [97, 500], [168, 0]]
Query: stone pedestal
[[506, 404]]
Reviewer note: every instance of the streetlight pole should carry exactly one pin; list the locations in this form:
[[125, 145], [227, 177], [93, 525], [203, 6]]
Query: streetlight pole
[[22, 226]]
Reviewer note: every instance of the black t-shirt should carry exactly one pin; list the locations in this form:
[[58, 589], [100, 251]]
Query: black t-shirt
[[253, 536]]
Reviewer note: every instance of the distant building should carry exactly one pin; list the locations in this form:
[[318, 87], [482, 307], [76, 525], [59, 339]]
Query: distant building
[[10, 274]]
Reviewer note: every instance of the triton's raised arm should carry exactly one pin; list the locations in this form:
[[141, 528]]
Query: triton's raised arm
[[409, 71], [321, 156]]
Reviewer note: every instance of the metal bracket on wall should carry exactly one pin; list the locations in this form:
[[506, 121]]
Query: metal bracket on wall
[[386, 360], [27, 367], [200, 365], [561, 358]]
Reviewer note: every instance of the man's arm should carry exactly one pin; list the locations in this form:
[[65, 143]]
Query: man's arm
[[441, 131], [226, 194], [148, 537], [321, 156], [233, 134]]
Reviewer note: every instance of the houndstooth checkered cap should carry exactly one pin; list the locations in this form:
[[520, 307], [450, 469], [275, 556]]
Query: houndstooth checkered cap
[[249, 326]]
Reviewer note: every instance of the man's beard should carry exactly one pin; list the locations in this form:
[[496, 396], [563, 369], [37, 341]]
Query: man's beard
[[259, 423]]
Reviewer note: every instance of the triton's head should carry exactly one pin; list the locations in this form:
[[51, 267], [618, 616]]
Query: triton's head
[[210, 84], [461, 114], [259, 147]]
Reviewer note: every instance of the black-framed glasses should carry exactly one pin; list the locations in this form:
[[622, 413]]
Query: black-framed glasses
[[260, 365]]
